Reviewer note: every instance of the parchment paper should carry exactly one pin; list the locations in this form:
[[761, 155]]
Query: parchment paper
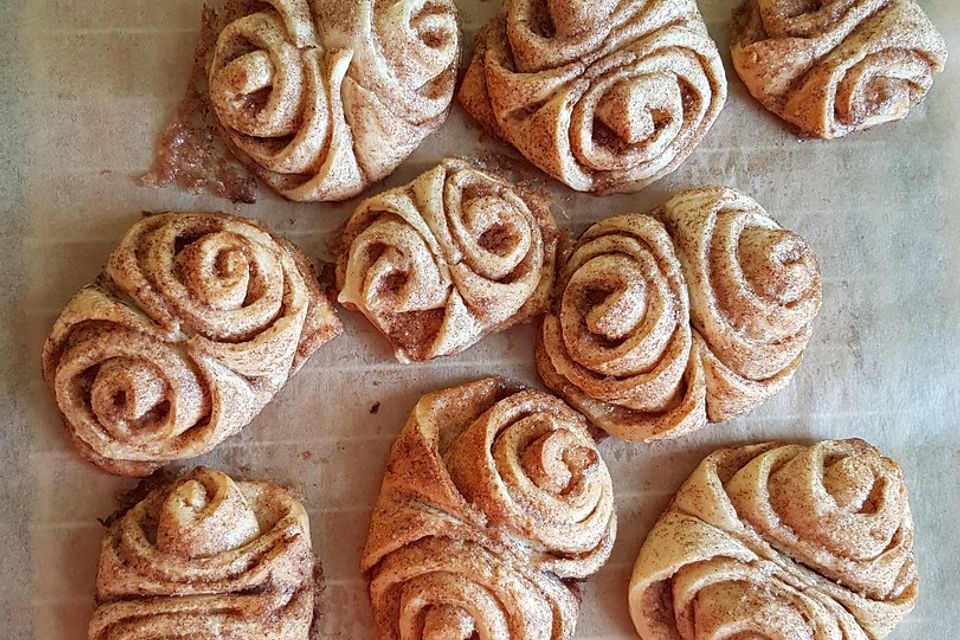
[[87, 86]]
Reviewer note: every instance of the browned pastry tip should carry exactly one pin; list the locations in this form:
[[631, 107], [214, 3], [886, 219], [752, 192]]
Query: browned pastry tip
[[780, 541], [494, 502], [195, 323], [455, 255], [203, 553], [695, 313], [833, 68], [321, 99], [604, 96]]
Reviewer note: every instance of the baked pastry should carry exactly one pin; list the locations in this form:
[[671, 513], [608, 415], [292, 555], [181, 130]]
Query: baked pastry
[[832, 68], [323, 98], [604, 96], [195, 323], [780, 541], [697, 312], [494, 502], [456, 254], [223, 559]]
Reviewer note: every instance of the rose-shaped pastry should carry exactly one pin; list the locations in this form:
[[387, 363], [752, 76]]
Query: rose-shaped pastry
[[755, 291], [209, 557], [323, 98], [780, 541], [618, 345], [604, 96], [695, 313], [494, 502], [836, 66], [439, 263], [195, 323]]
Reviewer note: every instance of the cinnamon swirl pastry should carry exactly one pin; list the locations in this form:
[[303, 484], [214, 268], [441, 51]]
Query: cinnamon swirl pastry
[[454, 255], [604, 96], [323, 98], [493, 504], [780, 541], [195, 323], [697, 312], [207, 557], [834, 67]]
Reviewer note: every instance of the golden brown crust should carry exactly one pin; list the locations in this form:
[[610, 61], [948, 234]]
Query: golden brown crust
[[439, 263], [696, 313], [493, 499], [782, 541], [323, 98], [205, 553], [195, 323], [604, 96], [836, 67]]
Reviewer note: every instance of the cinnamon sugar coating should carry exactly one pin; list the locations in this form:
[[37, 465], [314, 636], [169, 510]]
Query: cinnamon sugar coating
[[835, 67], [193, 326], [780, 541], [494, 502], [605, 96], [456, 254], [220, 558], [322, 98], [695, 313]]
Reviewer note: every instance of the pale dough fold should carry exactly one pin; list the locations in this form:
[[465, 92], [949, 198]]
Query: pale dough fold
[[694, 313], [832, 67], [193, 326], [494, 502], [605, 96], [780, 541], [456, 254], [322, 98], [210, 558]]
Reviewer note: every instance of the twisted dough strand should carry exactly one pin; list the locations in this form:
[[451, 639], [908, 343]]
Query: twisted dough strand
[[194, 325], [493, 500], [836, 67], [783, 541], [604, 96], [455, 255], [696, 313], [322, 99], [205, 553]]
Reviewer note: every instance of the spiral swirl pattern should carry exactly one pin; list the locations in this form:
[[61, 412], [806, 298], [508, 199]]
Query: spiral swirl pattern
[[755, 291], [660, 326], [604, 96], [322, 99], [780, 541], [493, 501], [618, 344], [193, 326], [455, 255], [205, 553], [833, 68]]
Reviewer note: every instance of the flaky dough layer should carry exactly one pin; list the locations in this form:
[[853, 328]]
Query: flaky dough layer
[[694, 313], [780, 541], [833, 68], [322, 98], [219, 558], [193, 326], [605, 96], [494, 501], [447, 259]]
